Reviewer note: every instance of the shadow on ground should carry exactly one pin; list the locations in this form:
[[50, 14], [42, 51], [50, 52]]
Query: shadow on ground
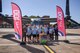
[[74, 43], [70, 34], [29, 48]]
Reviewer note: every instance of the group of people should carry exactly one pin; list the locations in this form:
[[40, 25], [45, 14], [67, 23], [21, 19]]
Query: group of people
[[35, 32]]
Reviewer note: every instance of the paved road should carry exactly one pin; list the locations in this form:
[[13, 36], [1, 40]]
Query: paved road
[[8, 44], [11, 45], [74, 47]]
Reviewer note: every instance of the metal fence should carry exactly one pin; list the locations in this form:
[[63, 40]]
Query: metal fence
[[6, 26]]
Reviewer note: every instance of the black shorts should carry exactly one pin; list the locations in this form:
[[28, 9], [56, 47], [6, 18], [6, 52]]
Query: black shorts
[[29, 36], [48, 32], [37, 35], [34, 35], [51, 35]]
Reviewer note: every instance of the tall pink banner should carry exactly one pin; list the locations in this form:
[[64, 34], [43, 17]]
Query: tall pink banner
[[60, 21], [17, 17]]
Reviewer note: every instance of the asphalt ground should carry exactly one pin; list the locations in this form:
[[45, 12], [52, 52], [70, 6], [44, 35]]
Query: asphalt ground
[[8, 44]]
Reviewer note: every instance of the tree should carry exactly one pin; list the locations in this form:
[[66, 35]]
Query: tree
[[6, 15], [32, 16], [25, 16], [38, 17]]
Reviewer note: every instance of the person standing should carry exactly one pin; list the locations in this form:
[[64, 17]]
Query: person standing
[[24, 34], [45, 29], [56, 33], [39, 32], [51, 33], [46, 37], [34, 33], [28, 33]]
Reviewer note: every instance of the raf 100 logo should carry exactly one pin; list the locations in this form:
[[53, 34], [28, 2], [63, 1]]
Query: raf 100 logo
[[59, 16], [16, 15]]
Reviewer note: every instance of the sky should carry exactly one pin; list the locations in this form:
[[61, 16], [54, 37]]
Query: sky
[[42, 7]]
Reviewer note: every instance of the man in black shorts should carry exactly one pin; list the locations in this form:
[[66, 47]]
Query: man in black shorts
[[29, 31], [34, 32]]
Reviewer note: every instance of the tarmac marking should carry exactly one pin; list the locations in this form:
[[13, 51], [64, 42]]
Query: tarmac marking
[[50, 50]]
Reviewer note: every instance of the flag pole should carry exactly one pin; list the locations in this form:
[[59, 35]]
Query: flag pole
[[17, 17]]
